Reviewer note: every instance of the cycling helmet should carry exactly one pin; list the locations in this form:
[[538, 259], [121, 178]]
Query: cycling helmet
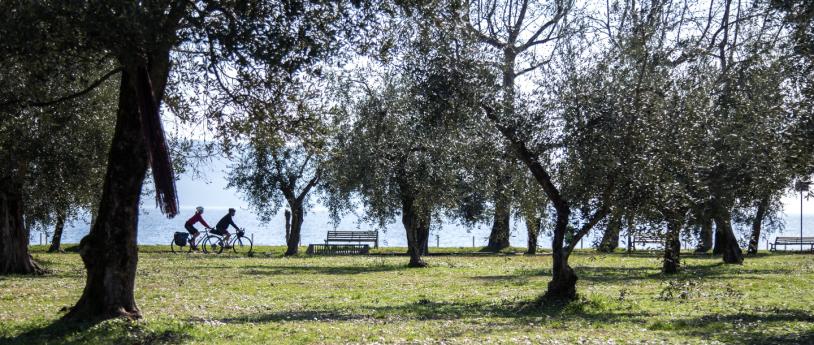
[[199, 209]]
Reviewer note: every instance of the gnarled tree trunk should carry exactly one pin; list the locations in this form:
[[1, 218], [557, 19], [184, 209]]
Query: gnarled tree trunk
[[424, 233], [610, 239], [14, 255], [287, 225], [729, 244], [109, 251], [720, 240], [563, 285], [416, 226], [293, 242], [533, 228], [757, 225], [704, 235], [499, 237], [56, 241], [672, 246]]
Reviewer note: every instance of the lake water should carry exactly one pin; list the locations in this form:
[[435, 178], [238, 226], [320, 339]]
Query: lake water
[[154, 228]]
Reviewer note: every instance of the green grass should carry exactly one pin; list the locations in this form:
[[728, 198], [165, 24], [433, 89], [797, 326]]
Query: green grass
[[459, 299]]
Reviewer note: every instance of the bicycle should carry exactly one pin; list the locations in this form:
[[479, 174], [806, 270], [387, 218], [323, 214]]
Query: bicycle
[[179, 241], [214, 242]]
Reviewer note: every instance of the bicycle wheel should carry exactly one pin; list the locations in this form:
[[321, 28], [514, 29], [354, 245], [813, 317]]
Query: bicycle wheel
[[174, 248], [212, 244], [242, 245]]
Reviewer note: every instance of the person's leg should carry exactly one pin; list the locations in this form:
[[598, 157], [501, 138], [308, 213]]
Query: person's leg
[[225, 235], [192, 230]]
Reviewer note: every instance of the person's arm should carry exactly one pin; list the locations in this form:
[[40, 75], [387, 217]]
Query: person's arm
[[204, 223], [231, 220]]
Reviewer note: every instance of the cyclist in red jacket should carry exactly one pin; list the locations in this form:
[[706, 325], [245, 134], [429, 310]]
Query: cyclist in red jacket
[[192, 230]]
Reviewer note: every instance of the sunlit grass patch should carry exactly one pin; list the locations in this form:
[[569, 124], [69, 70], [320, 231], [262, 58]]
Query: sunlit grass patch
[[465, 298]]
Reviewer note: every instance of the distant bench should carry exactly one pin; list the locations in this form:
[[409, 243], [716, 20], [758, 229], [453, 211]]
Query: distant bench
[[337, 249], [645, 239], [353, 236], [792, 241]]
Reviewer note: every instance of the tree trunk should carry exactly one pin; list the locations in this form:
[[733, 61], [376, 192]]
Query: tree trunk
[[610, 239], [424, 233], [563, 284], [413, 226], [705, 235], [287, 225], [720, 240], [56, 241], [757, 224], [533, 224], [109, 251], [499, 237], [14, 255], [672, 246], [293, 241], [729, 246]]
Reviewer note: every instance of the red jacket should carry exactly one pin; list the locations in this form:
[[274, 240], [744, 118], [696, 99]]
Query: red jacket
[[197, 218]]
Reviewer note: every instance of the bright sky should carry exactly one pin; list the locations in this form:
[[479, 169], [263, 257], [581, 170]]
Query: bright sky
[[212, 192]]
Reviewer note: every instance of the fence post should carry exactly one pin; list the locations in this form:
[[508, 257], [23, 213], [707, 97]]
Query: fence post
[[473, 241], [437, 241]]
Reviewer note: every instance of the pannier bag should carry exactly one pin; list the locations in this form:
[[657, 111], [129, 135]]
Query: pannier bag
[[181, 238]]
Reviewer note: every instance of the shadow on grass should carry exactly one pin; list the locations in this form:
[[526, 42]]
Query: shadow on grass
[[287, 270], [117, 331], [738, 328], [609, 274], [743, 328], [425, 309]]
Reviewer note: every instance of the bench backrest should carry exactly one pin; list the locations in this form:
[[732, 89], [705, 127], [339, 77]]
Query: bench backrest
[[794, 240], [353, 235]]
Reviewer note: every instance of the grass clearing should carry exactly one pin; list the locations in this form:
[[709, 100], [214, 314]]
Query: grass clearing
[[462, 298]]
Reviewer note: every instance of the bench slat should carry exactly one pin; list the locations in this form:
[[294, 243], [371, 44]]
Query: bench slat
[[353, 236]]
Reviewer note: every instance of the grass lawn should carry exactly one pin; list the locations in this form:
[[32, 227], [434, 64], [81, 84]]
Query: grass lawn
[[459, 299]]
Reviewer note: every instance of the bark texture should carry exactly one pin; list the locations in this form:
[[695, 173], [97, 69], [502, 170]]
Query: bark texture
[[533, 229], [705, 234], [416, 225], [610, 239], [672, 246], [730, 249], [56, 241], [720, 240], [14, 255], [287, 225], [499, 237], [293, 240], [109, 251], [563, 285], [757, 225]]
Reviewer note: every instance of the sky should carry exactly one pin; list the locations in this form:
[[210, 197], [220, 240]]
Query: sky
[[210, 191]]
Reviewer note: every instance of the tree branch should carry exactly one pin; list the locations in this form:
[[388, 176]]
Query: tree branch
[[532, 162], [81, 93], [600, 213]]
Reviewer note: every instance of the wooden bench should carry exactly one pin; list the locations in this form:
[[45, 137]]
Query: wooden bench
[[645, 239], [353, 236], [792, 241], [337, 249]]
